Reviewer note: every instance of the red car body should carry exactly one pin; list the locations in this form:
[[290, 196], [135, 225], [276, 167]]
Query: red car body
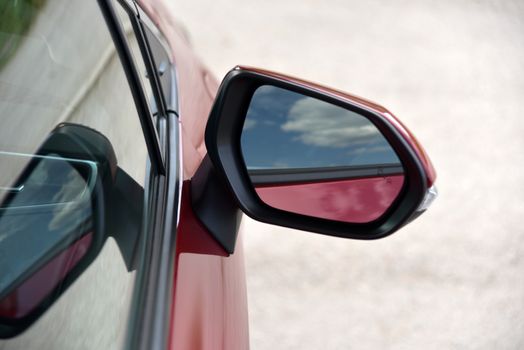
[[210, 303], [210, 297]]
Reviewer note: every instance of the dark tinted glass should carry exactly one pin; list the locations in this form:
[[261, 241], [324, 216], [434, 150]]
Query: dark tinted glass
[[58, 64], [50, 205]]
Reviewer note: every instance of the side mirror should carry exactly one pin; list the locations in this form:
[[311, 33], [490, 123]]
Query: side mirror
[[53, 220], [304, 156]]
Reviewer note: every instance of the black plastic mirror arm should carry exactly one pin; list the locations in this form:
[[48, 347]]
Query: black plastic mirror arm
[[215, 206]]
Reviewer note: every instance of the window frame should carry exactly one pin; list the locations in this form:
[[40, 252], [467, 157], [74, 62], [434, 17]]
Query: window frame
[[151, 135], [150, 311]]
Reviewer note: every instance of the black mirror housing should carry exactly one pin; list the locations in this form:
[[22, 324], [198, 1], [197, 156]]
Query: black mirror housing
[[223, 135]]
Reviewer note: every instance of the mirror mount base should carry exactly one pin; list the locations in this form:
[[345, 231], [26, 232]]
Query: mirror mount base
[[215, 206]]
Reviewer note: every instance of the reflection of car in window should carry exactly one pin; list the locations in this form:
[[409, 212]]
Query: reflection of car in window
[[65, 68], [49, 207]]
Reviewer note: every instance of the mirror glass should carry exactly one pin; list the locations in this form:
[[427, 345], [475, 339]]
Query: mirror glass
[[310, 157], [46, 226]]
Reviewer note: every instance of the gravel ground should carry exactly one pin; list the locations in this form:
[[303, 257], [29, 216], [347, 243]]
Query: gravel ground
[[453, 71]]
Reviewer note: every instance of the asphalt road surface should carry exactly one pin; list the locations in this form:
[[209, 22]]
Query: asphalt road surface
[[453, 71]]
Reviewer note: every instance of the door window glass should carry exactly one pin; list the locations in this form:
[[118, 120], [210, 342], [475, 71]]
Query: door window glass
[[73, 161]]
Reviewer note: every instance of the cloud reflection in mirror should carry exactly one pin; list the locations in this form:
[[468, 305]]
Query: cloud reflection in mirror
[[284, 129]]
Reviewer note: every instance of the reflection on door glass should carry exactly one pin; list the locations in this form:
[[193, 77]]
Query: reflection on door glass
[[58, 64], [44, 211], [284, 129], [136, 54], [15, 19]]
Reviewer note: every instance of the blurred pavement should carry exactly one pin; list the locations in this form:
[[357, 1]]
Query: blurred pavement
[[453, 71]]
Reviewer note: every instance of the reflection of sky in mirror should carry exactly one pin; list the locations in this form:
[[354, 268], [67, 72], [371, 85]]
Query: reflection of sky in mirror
[[284, 129]]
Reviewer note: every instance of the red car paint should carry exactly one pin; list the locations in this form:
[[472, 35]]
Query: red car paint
[[210, 300], [32, 291], [355, 200]]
